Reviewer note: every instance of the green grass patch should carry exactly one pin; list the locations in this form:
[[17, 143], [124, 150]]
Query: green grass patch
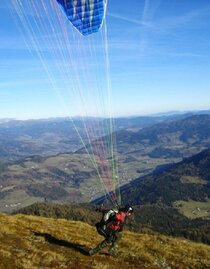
[[17, 199], [193, 209], [193, 180]]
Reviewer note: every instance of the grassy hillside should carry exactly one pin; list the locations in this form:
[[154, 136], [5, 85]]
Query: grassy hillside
[[162, 219], [37, 242]]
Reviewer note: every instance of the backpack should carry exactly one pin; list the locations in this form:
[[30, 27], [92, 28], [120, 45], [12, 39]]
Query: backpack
[[106, 220]]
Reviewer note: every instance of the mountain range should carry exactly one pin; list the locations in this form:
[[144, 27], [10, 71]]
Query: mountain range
[[46, 137]]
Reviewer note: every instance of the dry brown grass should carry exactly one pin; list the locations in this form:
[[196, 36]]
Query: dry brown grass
[[29, 242]]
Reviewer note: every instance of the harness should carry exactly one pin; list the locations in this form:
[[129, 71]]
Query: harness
[[112, 220], [107, 219], [118, 221]]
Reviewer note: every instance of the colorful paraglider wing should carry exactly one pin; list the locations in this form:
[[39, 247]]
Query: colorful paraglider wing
[[86, 15]]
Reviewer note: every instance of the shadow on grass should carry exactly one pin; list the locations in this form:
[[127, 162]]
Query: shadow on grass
[[52, 240]]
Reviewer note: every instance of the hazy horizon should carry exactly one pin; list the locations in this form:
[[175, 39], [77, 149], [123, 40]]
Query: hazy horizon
[[163, 113]]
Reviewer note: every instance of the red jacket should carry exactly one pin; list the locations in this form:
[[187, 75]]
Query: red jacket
[[119, 221]]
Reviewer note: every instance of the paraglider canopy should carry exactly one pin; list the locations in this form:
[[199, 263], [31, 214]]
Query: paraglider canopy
[[86, 15], [78, 71]]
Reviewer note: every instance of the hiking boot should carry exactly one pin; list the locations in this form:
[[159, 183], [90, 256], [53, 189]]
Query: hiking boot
[[92, 252], [100, 246], [113, 251]]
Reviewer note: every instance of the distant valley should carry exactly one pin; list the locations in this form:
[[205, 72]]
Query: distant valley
[[44, 160]]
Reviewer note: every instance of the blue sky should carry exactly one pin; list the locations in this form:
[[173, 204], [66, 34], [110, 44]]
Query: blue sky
[[158, 60]]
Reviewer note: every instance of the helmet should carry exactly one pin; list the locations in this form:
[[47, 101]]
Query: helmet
[[128, 209]]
